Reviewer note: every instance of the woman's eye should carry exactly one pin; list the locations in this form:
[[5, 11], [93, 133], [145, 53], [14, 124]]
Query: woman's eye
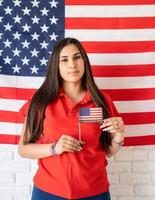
[[77, 57], [64, 60]]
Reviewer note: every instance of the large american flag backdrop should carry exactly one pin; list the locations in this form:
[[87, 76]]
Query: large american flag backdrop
[[119, 37]]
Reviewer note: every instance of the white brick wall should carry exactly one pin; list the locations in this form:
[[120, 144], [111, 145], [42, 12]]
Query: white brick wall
[[131, 174]]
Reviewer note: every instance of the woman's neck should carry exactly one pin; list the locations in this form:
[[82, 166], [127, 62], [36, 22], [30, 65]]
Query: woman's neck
[[74, 91]]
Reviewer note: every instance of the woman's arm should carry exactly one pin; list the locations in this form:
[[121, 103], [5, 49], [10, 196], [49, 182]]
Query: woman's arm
[[115, 127], [36, 151]]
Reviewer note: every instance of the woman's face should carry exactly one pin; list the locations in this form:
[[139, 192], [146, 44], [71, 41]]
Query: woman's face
[[71, 64]]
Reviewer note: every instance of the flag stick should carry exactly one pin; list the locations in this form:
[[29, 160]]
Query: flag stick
[[79, 131]]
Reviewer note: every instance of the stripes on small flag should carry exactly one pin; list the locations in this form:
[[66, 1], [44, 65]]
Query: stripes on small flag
[[90, 115]]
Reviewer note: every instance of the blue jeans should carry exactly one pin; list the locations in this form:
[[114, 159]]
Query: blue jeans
[[38, 194]]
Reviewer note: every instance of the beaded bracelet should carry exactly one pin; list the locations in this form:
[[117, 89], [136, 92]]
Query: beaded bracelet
[[52, 149]]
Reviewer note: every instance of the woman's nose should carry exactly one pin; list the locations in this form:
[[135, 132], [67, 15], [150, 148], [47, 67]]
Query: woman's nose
[[72, 64]]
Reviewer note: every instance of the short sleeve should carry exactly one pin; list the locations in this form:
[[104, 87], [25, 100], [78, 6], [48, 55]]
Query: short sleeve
[[24, 109], [111, 107]]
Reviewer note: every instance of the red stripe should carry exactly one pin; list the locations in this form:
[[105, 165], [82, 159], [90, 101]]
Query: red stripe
[[109, 2], [10, 116], [138, 118], [9, 139], [119, 47], [129, 118], [141, 140], [131, 94], [123, 71], [129, 141], [116, 94], [110, 23], [16, 93]]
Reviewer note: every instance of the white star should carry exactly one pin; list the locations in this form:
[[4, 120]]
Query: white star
[[16, 69], [16, 35], [44, 28], [53, 20], [26, 44], [1, 52], [16, 52], [16, 3], [7, 10], [8, 27], [17, 19], [7, 60], [1, 1], [34, 52], [35, 36], [1, 35], [34, 69], [26, 28], [26, 11], [35, 20], [35, 3], [43, 61], [44, 45], [25, 61], [44, 11], [7, 43], [1, 19], [53, 37], [53, 4]]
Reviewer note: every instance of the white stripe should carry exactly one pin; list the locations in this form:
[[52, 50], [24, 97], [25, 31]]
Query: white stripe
[[20, 81], [125, 82], [10, 128], [130, 130], [140, 130], [135, 106], [112, 35], [122, 58], [11, 105], [103, 83], [122, 106], [110, 11]]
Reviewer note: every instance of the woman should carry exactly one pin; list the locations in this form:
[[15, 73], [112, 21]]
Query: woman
[[70, 167]]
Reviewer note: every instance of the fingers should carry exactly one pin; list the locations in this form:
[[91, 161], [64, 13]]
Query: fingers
[[113, 125], [68, 144]]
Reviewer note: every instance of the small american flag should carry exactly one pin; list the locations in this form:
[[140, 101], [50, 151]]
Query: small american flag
[[90, 115]]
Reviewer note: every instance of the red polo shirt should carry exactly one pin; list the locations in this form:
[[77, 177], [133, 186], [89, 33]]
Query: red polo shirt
[[72, 175]]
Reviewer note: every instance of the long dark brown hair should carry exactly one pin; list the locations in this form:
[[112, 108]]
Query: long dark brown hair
[[49, 91]]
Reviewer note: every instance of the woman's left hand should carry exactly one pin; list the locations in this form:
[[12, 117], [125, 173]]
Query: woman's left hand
[[114, 125]]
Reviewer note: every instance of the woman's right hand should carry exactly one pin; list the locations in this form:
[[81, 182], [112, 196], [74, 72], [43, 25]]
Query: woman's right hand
[[68, 144]]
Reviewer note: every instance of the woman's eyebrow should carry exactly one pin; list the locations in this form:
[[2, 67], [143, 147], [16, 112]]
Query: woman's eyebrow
[[73, 55]]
